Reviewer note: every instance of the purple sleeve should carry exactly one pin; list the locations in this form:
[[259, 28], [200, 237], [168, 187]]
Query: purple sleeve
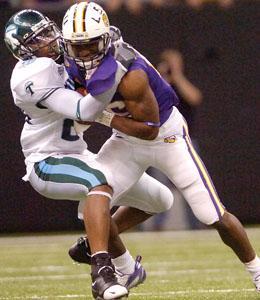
[[138, 64]]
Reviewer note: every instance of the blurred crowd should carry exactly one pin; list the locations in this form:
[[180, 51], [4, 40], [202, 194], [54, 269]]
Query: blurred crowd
[[133, 6]]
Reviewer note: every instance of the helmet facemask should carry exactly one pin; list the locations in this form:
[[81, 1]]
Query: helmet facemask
[[87, 53], [45, 41]]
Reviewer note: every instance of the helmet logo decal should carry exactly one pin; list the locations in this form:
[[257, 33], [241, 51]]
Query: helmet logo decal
[[10, 33], [96, 19], [105, 19], [99, 12]]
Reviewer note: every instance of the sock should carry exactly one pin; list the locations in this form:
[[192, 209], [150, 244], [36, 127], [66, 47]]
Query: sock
[[253, 266], [124, 263]]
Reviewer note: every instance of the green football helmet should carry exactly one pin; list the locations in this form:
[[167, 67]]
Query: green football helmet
[[28, 31]]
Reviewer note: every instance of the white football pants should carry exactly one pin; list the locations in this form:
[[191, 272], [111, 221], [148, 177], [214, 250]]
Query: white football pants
[[173, 154]]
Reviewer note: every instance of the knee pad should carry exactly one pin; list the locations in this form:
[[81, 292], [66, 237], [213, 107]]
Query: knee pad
[[204, 209], [160, 200], [207, 218], [151, 196]]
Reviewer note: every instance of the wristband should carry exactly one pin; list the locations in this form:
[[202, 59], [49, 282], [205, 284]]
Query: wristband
[[152, 124]]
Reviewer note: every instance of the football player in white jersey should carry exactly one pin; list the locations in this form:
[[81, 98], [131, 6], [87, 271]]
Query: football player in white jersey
[[58, 164], [148, 128]]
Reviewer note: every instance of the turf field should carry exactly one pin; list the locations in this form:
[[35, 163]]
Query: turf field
[[191, 265]]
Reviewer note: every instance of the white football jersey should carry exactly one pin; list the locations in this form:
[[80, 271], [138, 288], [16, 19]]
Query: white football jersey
[[45, 132]]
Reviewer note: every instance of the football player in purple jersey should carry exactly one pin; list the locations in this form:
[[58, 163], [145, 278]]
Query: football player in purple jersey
[[148, 129]]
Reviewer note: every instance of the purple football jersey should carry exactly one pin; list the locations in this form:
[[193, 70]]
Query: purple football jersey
[[104, 78], [164, 94]]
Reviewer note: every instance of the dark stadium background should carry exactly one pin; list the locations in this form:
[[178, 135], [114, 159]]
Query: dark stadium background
[[220, 50]]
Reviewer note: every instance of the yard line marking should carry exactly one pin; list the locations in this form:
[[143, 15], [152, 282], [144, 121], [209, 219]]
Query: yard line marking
[[46, 297], [183, 262], [86, 275], [188, 271], [62, 268], [54, 277], [50, 268], [200, 291]]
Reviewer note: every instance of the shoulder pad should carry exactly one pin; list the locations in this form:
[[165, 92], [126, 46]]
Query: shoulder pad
[[39, 64], [124, 53], [115, 34], [33, 79]]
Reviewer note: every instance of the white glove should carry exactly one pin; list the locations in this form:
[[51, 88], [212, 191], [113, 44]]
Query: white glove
[[105, 118]]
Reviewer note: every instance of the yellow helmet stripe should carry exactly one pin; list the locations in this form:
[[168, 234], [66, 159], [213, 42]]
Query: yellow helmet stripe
[[83, 18], [80, 17], [74, 18]]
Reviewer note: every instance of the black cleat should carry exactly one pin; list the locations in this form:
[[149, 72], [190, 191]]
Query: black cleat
[[80, 251], [104, 282]]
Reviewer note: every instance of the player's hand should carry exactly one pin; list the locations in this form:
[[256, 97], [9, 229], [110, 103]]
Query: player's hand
[[82, 91], [81, 126], [105, 118]]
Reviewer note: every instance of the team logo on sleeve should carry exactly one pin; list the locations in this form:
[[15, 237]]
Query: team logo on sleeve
[[170, 139], [28, 88], [61, 70]]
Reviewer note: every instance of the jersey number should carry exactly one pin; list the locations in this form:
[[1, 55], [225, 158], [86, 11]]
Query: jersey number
[[66, 131]]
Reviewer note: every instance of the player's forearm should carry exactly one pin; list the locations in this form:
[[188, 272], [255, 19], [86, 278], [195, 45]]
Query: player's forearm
[[134, 128], [72, 105], [89, 108]]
